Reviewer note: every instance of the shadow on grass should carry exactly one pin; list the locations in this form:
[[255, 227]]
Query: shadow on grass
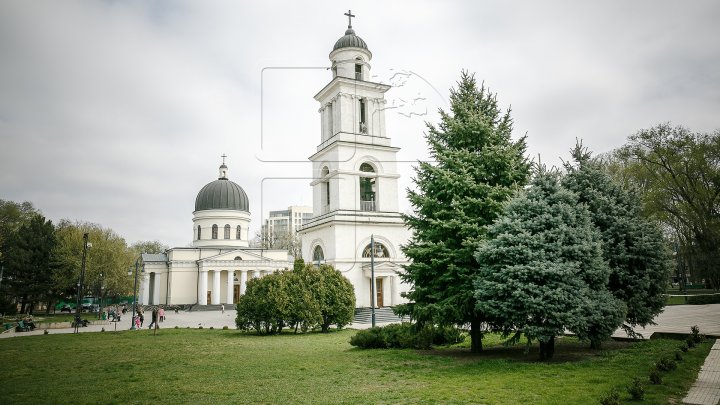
[[566, 350]]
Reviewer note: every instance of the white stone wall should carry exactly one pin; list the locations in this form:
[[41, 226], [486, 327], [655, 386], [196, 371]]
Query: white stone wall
[[206, 219]]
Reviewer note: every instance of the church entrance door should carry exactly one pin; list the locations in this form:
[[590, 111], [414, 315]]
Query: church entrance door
[[236, 293], [379, 292], [209, 297]]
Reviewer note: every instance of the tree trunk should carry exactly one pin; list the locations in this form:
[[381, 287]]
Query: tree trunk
[[547, 349], [475, 336], [595, 344]]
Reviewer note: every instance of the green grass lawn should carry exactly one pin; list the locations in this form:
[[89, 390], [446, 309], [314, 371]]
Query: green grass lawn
[[683, 300], [216, 366]]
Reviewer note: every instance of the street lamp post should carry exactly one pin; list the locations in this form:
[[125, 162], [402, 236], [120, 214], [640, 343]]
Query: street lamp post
[[132, 320], [80, 282], [372, 278]]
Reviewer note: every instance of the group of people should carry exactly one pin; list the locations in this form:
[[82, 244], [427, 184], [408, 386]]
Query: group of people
[[158, 315], [25, 324], [114, 312]]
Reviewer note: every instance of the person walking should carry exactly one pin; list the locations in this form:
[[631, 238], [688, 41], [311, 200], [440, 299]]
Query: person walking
[[137, 322], [154, 319], [161, 314], [222, 308], [142, 318]]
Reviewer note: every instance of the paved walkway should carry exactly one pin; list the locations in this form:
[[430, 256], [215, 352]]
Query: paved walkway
[[706, 390]]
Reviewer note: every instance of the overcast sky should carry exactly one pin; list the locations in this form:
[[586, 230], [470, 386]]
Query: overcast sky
[[117, 112]]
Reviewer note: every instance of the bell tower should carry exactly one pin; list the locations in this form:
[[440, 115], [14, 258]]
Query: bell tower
[[355, 190]]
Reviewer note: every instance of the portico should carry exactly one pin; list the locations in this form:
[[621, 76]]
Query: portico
[[216, 269]]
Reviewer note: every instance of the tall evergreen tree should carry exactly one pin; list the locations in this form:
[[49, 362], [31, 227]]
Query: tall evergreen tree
[[541, 269], [632, 245], [477, 167], [28, 261]]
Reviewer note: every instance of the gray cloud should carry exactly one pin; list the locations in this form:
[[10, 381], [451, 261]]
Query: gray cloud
[[117, 112]]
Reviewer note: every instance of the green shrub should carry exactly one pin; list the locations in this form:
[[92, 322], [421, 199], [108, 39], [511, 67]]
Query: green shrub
[[372, 338], [177, 327], [405, 336], [636, 390], [212, 327], [655, 377], [678, 356], [690, 342], [225, 327], [612, 398], [696, 336], [200, 327], [46, 332], [666, 364], [448, 335], [684, 347]]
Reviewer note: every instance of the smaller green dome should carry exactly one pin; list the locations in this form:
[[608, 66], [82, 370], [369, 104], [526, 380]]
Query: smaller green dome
[[350, 40]]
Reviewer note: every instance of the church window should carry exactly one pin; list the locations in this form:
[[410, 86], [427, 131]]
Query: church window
[[214, 231], [363, 116], [358, 69], [318, 254], [237, 232], [226, 234], [334, 70], [238, 258], [380, 250], [367, 189], [198, 232]]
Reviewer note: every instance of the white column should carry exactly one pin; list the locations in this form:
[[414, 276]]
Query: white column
[[230, 285], [243, 281], [387, 291], [202, 288], [156, 290], [216, 288], [393, 290], [146, 289]]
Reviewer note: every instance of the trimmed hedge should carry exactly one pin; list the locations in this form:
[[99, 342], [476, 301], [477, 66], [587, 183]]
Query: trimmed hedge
[[406, 336]]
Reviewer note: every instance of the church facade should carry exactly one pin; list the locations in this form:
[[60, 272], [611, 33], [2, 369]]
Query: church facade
[[355, 186], [216, 268]]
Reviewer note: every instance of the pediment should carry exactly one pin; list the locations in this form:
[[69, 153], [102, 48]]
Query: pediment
[[231, 255], [382, 269]]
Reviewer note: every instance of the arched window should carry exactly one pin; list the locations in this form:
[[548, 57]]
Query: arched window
[[380, 250], [226, 234], [238, 258], [198, 234], [214, 231], [237, 232], [318, 254], [358, 69], [368, 190]]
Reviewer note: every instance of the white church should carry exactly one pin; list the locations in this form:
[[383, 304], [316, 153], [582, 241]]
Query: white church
[[355, 198]]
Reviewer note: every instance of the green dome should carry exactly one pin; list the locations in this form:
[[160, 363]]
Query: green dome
[[222, 194], [350, 40]]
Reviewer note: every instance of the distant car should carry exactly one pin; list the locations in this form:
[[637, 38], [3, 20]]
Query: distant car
[[66, 308]]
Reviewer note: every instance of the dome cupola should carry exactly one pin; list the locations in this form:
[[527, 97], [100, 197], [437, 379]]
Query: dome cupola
[[222, 194], [350, 40], [350, 55]]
